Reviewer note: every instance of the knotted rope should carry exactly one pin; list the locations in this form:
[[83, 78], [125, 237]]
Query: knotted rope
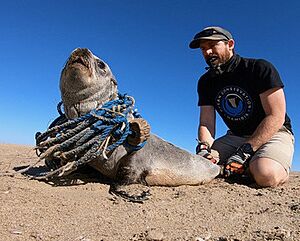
[[69, 144]]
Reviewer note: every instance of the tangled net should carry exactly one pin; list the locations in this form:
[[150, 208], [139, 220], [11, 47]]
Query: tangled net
[[69, 144]]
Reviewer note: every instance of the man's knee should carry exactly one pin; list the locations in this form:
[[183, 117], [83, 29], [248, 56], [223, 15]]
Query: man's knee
[[267, 172]]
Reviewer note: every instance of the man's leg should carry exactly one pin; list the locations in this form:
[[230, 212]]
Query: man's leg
[[267, 172], [271, 163]]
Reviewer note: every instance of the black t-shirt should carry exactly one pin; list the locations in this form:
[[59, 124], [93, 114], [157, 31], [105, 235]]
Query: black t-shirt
[[235, 92]]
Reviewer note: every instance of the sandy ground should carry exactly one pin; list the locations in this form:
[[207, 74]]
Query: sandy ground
[[81, 209]]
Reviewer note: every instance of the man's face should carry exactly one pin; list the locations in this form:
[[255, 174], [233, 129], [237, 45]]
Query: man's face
[[216, 52]]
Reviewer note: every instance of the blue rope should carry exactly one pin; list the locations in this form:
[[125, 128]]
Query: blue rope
[[88, 137]]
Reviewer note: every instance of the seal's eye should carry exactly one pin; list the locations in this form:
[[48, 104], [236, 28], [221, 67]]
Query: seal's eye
[[100, 64]]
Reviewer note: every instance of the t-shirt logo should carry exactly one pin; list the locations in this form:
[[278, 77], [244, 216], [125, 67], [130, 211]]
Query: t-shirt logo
[[234, 103]]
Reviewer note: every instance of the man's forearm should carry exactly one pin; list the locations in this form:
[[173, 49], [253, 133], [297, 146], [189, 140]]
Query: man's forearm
[[204, 135], [206, 129], [264, 132]]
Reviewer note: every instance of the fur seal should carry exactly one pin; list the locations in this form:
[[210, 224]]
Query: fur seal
[[86, 83]]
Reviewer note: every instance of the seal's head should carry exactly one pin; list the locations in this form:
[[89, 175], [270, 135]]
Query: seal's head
[[86, 83]]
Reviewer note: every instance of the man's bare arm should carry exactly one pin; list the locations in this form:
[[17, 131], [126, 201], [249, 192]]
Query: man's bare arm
[[206, 130], [273, 102]]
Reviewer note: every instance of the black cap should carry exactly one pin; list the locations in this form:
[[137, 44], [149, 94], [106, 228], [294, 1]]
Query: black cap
[[210, 33]]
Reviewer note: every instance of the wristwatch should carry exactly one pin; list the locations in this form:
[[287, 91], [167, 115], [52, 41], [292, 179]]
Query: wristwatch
[[202, 146], [247, 148]]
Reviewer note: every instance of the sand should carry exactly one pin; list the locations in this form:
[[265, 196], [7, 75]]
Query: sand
[[81, 208]]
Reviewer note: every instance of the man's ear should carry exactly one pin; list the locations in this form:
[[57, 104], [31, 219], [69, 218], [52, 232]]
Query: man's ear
[[231, 44]]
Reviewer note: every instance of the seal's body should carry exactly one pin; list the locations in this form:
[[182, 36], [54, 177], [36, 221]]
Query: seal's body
[[86, 83]]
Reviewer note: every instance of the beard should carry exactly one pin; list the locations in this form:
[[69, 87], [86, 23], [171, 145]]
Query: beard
[[214, 60], [218, 63]]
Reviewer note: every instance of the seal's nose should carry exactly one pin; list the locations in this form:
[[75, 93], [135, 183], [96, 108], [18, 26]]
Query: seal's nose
[[84, 50], [80, 55], [81, 51]]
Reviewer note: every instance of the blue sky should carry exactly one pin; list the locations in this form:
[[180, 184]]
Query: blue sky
[[146, 45]]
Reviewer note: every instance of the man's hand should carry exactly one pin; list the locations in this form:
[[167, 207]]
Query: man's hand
[[203, 149], [239, 161]]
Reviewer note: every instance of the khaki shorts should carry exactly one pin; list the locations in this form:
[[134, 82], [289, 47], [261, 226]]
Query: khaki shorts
[[279, 148]]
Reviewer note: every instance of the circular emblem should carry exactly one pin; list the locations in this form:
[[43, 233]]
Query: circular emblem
[[234, 103]]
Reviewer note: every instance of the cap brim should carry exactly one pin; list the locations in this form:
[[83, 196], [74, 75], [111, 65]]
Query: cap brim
[[195, 43]]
